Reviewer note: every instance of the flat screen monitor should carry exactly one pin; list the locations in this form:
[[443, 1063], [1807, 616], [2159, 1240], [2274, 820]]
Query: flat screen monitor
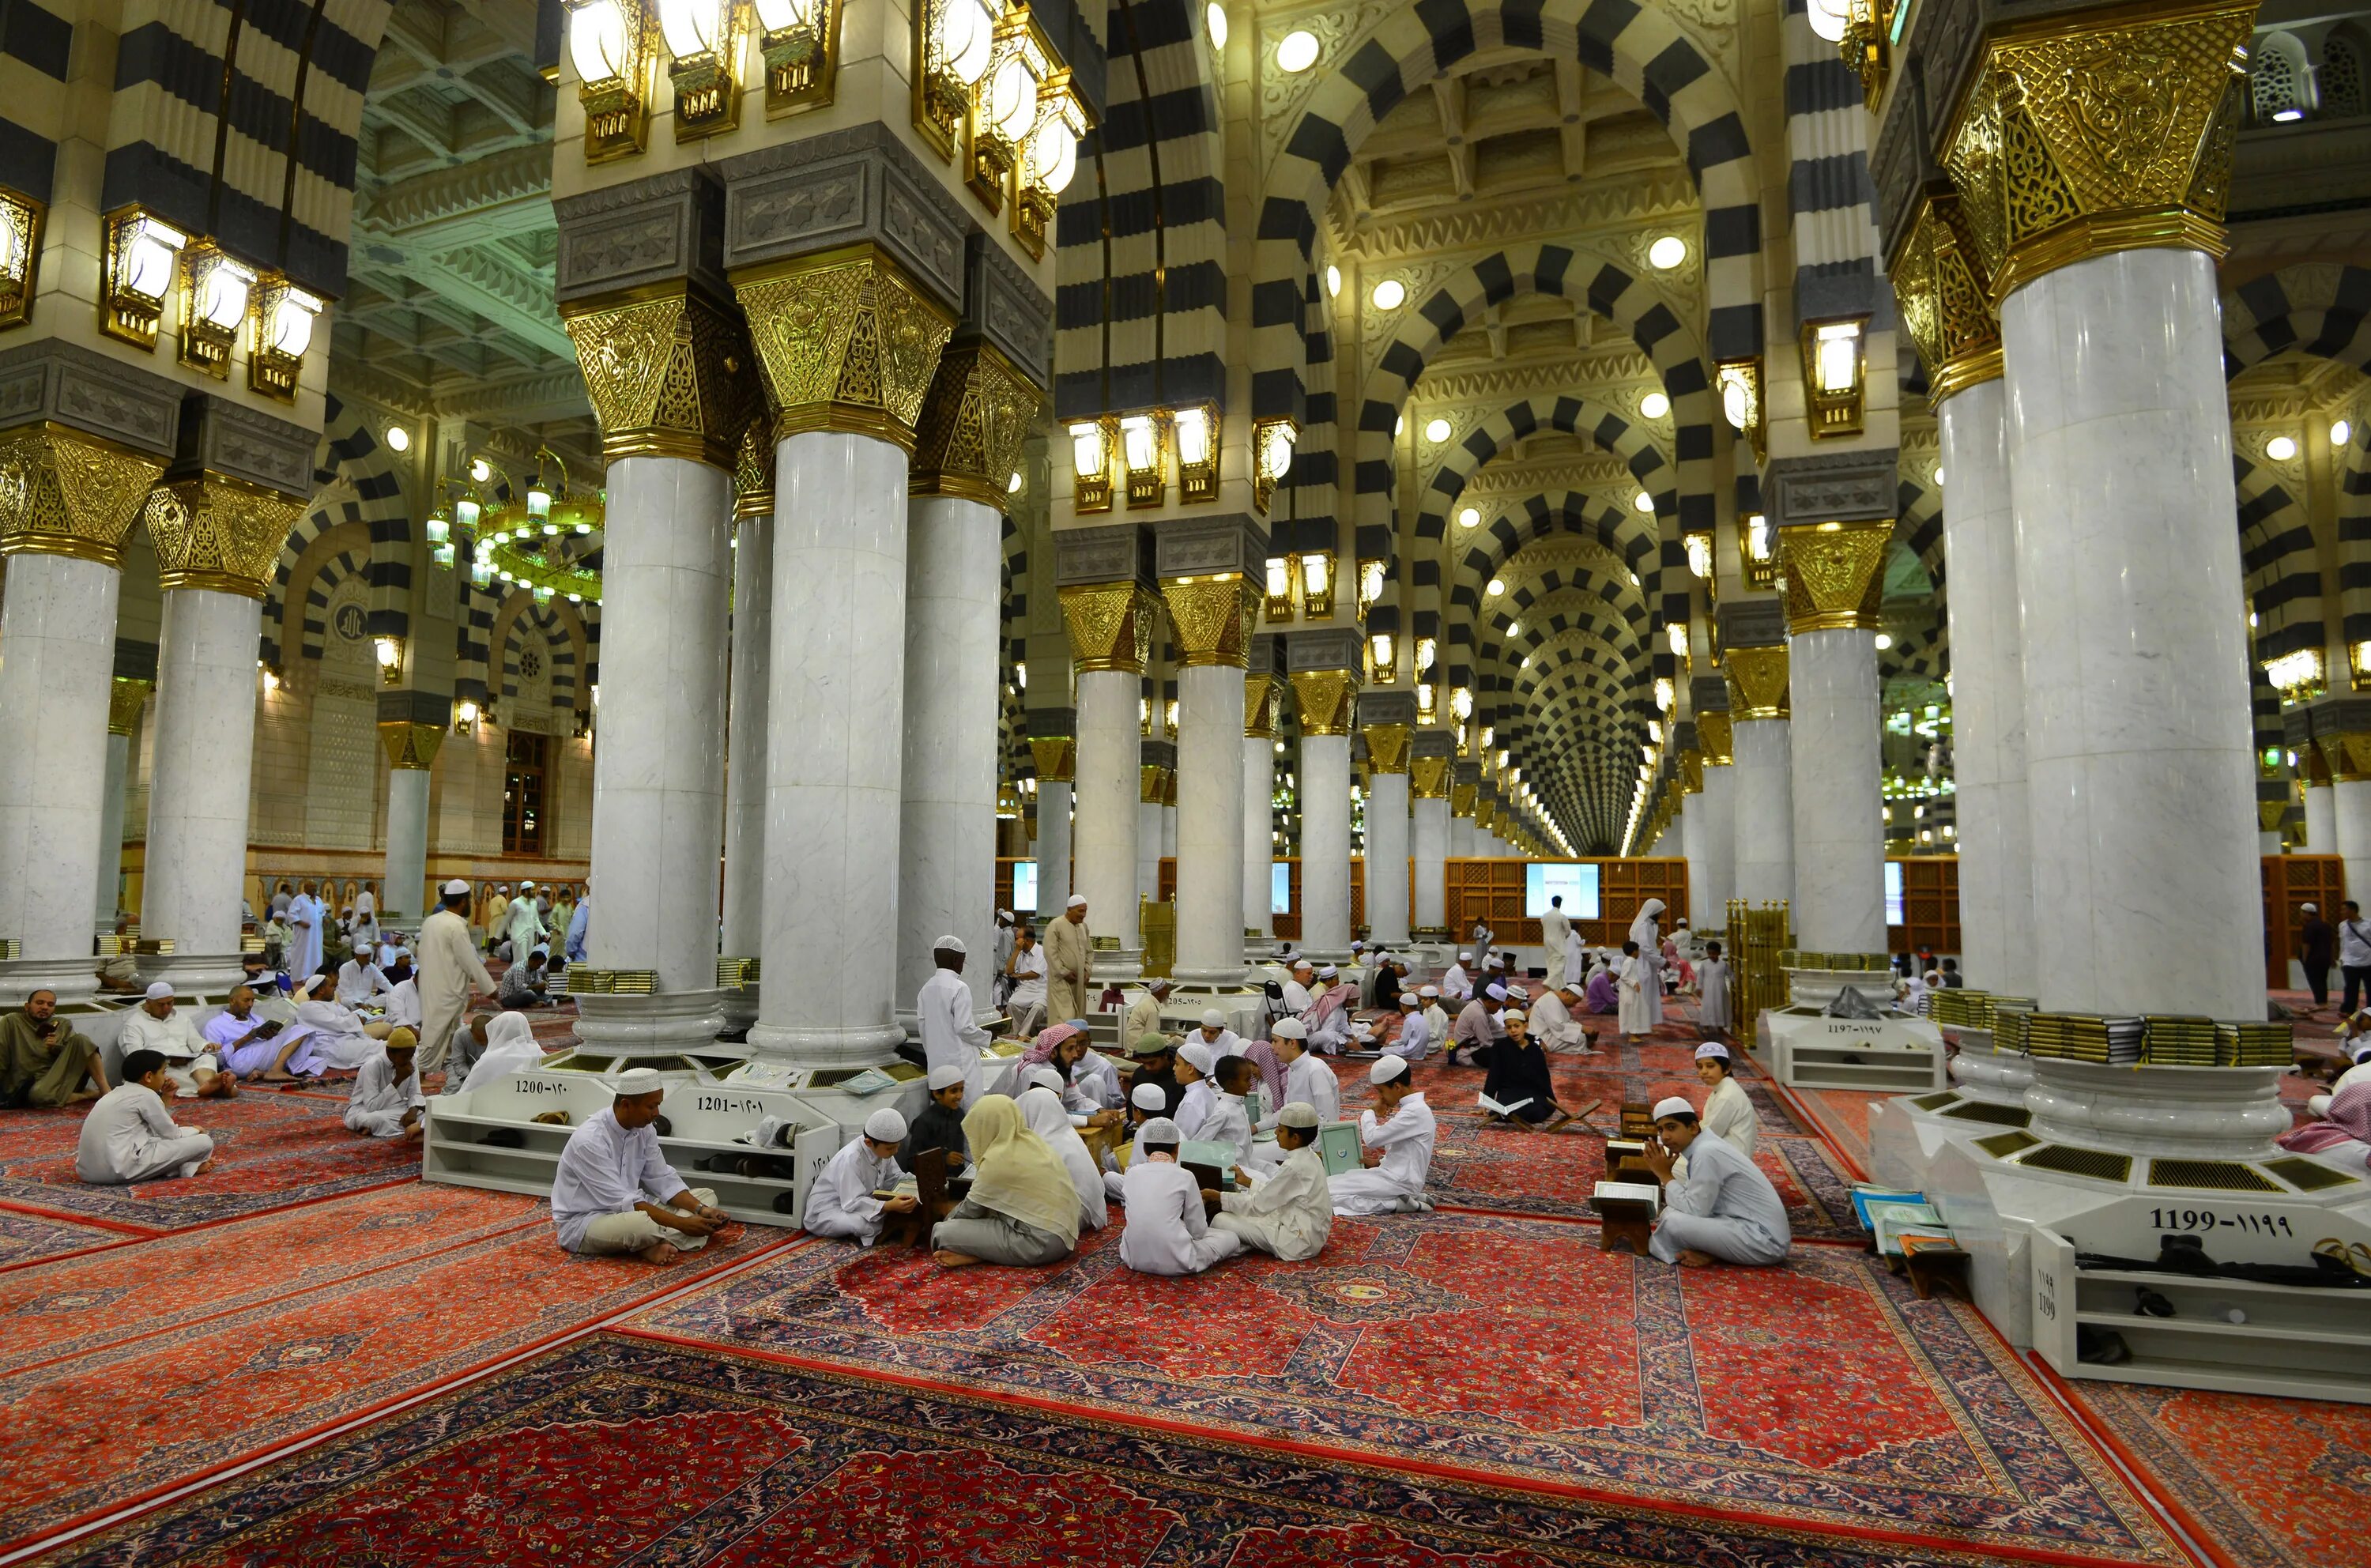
[[1280, 887], [1573, 881], [1024, 887], [1895, 915]]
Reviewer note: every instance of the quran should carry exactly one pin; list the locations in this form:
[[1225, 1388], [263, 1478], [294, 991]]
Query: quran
[[1644, 1193], [1487, 1103]]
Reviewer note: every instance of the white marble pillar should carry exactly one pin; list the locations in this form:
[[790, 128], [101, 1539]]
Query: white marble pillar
[[947, 846], [2350, 801], [658, 763], [1712, 850], [1837, 798], [1387, 858], [1211, 826], [1429, 841], [1052, 849], [57, 657], [1763, 791], [2139, 733], [1463, 841], [749, 708], [406, 879], [110, 832], [1169, 828], [1103, 831], [196, 855], [1326, 845], [835, 789], [2320, 817], [1259, 836], [1988, 693], [1148, 850]]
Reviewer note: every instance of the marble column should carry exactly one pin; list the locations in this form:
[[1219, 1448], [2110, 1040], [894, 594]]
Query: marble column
[[2321, 818], [411, 747], [1763, 775], [57, 628], [1054, 750], [1110, 624], [1834, 579], [125, 698], [1428, 782], [1712, 826], [948, 839], [2350, 807], [1324, 666], [749, 708], [1210, 823], [1261, 692], [1388, 720], [1156, 760], [216, 537]]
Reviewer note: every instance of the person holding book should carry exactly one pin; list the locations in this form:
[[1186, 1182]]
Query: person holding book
[[1287, 1211], [842, 1202], [1721, 1209], [1229, 1120], [1168, 1229], [940, 1124], [1518, 1082], [1727, 1112], [1397, 1148], [1307, 1076]]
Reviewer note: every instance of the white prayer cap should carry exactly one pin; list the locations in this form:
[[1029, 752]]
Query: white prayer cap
[[1387, 1068], [1432, 991], [639, 1080], [1077, 901], [1511, 1015], [1043, 1077], [1464, 958], [160, 990], [1161, 982], [1358, 947], [887, 1125], [1329, 973], [2311, 908], [1288, 1028], [1213, 1019], [1676, 1105], [1149, 1097], [455, 888], [1160, 1130], [526, 887], [949, 944], [1004, 913], [1494, 992], [1712, 1051], [1299, 1113], [1199, 1053], [944, 1077], [1407, 998], [1569, 988], [1302, 963]]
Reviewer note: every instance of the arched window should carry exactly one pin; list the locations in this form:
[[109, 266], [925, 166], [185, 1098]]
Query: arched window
[[2280, 86], [2340, 80]]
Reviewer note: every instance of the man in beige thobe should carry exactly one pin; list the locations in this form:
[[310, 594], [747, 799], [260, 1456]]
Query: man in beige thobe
[[1070, 964], [450, 971]]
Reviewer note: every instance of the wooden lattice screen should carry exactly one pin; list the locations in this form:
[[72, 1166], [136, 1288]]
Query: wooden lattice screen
[[2290, 881]]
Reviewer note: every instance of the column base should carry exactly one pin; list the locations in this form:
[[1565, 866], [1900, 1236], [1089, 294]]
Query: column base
[[1210, 982], [661, 1024], [740, 1010], [2171, 1112], [1982, 1071], [193, 974], [76, 980], [797, 1046], [1117, 967]]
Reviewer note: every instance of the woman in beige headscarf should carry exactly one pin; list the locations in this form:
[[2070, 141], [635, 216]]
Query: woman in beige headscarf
[[1022, 1211]]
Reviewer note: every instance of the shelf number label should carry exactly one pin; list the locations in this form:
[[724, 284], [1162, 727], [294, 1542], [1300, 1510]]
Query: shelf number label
[[2045, 1294], [2207, 1220]]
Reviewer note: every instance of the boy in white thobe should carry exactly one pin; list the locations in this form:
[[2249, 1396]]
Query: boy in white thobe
[[386, 1100], [1287, 1212], [127, 1137], [1398, 1148], [1415, 1039], [943, 1012], [1228, 1122], [1636, 1018], [1722, 1208], [1436, 1016], [1712, 990], [1150, 1105], [1193, 1067], [1223, 1042], [1167, 1233], [840, 1201], [1307, 1078], [615, 1192]]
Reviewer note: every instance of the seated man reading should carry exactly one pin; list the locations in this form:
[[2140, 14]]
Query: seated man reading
[[43, 1062], [1289, 1212], [249, 1046], [615, 1192], [841, 1201], [524, 984], [386, 1101], [1722, 1210], [1398, 1152], [157, 1025], [129, 1138]]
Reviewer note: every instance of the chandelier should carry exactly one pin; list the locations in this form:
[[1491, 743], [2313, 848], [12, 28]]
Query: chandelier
[[546, 539]]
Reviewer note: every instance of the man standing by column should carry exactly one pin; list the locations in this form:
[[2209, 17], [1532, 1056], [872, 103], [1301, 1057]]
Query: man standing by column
[[1069, 962], [450, 974]]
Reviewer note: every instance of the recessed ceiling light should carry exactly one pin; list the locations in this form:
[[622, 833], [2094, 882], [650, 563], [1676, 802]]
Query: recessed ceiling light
[[399, 439], [1469, 517], [1654, 405], [2280, 449], [1437, 430], [1388, 294], [1297, 53], [1495, 588], [1668, 252], [1644, 501]]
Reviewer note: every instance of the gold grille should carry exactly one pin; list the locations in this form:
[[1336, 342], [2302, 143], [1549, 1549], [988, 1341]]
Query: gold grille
[[1998, 1115], [2309, 1176], [2097, 1163], [2000, 1145], [1935, 1102], [2220, 1175]]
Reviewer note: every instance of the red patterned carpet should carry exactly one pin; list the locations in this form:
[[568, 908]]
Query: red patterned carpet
[[28, 1238]]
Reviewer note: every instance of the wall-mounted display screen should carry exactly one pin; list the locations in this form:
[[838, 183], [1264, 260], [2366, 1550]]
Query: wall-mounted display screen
[[1024, 887], [1280, 887], [1894, 913], [1573, 881]]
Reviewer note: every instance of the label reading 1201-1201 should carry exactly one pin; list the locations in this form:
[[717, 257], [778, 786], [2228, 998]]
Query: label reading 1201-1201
[[2206, 1219]]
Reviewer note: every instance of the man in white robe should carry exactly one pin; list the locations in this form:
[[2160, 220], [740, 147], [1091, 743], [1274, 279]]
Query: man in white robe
[[522, 924], [1553, 1024], [1144, 1005], [246, 1042], [1026, 970], [1555, 930], [403, 1010], [1712, 990], [386, 1101], [840, 1201], [614, 1193], [129, 1138], [943, 1009], [1167, 1230], [1398, 1148], [450, 974], [158, 1025], [1457, 984], [1069, 962], [308, 917], [1297, 993], [1413, 1040], [1722, 1208], [359, 980], [1308, 1078], [1287, 1211]]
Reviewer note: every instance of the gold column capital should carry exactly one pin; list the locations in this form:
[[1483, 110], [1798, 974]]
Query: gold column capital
[[1463, 798], [1692, 766], [1154, 784], [1757, 683], [1057, 758], [2269, 814], [1111, 624], [2348, 757], [1713, 736], [753, 469], [1946, 297], [1428, 777], [63, 492], [124, 701], [2099, 132], [1325, 699], [1210, 618], [410, 746], [662, 368], [973, 421], [217, 533], [848, 342], [1387, 747], [1835, 573], [1262, 694]]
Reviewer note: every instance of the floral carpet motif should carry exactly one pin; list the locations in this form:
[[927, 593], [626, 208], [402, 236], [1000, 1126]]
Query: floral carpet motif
[[543, 1463], [1542, 1362], [272, 1151], [132, 1413], [2268, 1484], [26, 1238]]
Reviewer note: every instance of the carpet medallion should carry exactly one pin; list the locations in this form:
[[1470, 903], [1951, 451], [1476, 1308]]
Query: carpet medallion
[[557, 1459], [1503, 1350]]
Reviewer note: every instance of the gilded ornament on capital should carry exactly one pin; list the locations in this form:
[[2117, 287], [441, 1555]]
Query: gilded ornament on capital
[[1262, 696], [217, 533], [1324, 699], [2269, 814], [1210, 618], [848, 342], [1757, 683], [1057, 758], [124, 701], [63, 492], [1387, 747], [753, 468], [663, 371], [2348, 757], [1939, 282], [1428, 777], [1692, 766], [1462, 799], [975, 420], [1154, 784], [1835, 574], [1110, 624], [410, 746], [1713, 735]]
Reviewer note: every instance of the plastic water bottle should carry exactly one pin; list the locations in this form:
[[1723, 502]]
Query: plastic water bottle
[[2226, 1311]]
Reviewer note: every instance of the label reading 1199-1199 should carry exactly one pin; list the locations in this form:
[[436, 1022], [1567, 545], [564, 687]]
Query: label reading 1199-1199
[[2206, 1219]]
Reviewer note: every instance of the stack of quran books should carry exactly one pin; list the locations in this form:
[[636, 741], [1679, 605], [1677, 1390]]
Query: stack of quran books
[[2085, 1037], [2253, 1045], [1960, 1010], [736, 973], [2009, 1028], [635, 982], [2179, 1042]]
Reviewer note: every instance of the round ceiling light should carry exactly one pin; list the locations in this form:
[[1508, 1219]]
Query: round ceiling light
[[1496, 587], [2280, 449], [1643, 501], [1297, 53], [1333, 281], [1469, 517], [1654, 405], [1215, 17], [1388, 293], [1437, 430], [398, 439], [1668, 252]]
